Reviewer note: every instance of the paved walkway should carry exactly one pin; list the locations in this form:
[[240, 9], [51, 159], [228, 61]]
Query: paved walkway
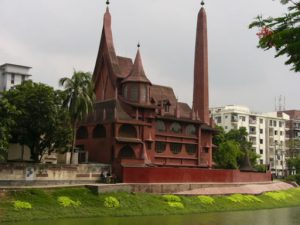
[[244, 189]]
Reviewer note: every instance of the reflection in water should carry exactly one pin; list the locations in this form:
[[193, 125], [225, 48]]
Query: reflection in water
[[286, 216]]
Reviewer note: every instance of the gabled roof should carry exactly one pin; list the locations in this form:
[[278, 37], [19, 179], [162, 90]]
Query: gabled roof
[[125, 65], [137, 73]]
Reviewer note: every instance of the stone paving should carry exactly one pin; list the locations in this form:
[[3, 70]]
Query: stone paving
[[244, 189]]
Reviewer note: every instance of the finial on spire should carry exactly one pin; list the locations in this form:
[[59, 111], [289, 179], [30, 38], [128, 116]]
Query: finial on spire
[[202, 3], [138, 45], [107, 2]]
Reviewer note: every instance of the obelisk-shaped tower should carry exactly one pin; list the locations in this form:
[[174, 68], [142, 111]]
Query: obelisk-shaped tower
[[200, 95]]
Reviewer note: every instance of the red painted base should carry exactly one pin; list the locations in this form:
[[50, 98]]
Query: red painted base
[[189, 175]]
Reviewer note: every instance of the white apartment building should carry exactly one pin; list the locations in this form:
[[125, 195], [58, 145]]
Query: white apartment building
[[267, 132], [12, 75]]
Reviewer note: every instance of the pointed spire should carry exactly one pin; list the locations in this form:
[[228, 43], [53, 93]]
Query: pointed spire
[[137, 73], [200, 95]]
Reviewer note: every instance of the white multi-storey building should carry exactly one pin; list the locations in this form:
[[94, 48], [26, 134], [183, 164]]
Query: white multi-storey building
[[267, 132], [12, 75]]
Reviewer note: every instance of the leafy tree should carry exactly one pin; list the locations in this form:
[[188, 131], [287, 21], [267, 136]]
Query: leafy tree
[[79, 98], [42, 122], [282, 34], [294, 164], [7, 113], [232, 147]]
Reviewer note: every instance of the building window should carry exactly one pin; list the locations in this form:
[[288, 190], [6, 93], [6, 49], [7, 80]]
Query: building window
[[261, 131], [281, 133], [191, 149], [127, 131], [280, 124], [175, 148], [160, 126], [243, 118], [23, 78], [134, 93], [274, 123], [12, 78], [191, 130], [125, 92], [143, 93], [261, 162], [160, 147], [261, 151], [275, 132], [261, 121], [99, 131], [261, 141], [82, 133], [206, 150], [271, 122], [176, 128], [218, 119]]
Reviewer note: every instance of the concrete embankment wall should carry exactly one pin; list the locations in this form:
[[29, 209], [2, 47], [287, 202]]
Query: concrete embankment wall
[[15, 174], [189, 175]]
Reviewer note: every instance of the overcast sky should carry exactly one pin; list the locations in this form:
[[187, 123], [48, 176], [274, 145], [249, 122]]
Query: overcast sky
[[55, 36]]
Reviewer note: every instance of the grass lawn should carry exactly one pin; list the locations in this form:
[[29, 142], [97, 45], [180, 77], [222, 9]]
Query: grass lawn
[[81, 202]]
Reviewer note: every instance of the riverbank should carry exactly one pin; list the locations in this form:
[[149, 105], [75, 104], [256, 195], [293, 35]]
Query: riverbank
[[35, 204]]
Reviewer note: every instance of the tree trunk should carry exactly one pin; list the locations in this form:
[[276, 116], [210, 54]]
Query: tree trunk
[[73, 143]]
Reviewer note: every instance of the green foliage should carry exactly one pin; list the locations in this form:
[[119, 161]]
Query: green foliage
[[67, 202], [41, 123], [206, 199], [278, 196], [281, 33], [111, 202], [7, 114], [78, 97], [295, 178], [171, 198], [261, 168], [239, 198], [22, 205], [232, 148], [178, 205], [294, 164]]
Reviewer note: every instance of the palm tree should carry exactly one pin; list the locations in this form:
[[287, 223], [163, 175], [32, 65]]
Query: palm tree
[[79, 98]]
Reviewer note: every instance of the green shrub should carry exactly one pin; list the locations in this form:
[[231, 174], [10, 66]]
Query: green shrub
[[178, 205], [171, 198], [278, 195], [67, 202], [206, 199], [22, 205], [295, 178], [239, 198], [111, 202]]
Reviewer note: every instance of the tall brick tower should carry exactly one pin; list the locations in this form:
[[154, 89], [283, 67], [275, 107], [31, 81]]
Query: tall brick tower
[[200, 95]]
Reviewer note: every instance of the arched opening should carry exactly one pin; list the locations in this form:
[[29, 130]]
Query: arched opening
[[176, 128], [128, 131], [82, 133], [99, 131], [126, 153]]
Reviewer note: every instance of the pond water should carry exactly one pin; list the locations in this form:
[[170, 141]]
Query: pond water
[[284, 216]]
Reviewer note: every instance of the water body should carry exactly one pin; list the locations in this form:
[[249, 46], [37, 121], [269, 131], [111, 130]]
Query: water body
[[285, 216]]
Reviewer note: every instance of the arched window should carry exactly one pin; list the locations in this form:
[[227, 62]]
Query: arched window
[[190, 130], [160, 126], [125, 92], [128, 131], [175, 148], [176, 128], [82, 133], [160, 147], [99, 131], [191, 149], [126, 153]]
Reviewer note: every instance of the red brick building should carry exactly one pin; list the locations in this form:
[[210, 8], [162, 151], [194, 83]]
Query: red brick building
[[138, 124]]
